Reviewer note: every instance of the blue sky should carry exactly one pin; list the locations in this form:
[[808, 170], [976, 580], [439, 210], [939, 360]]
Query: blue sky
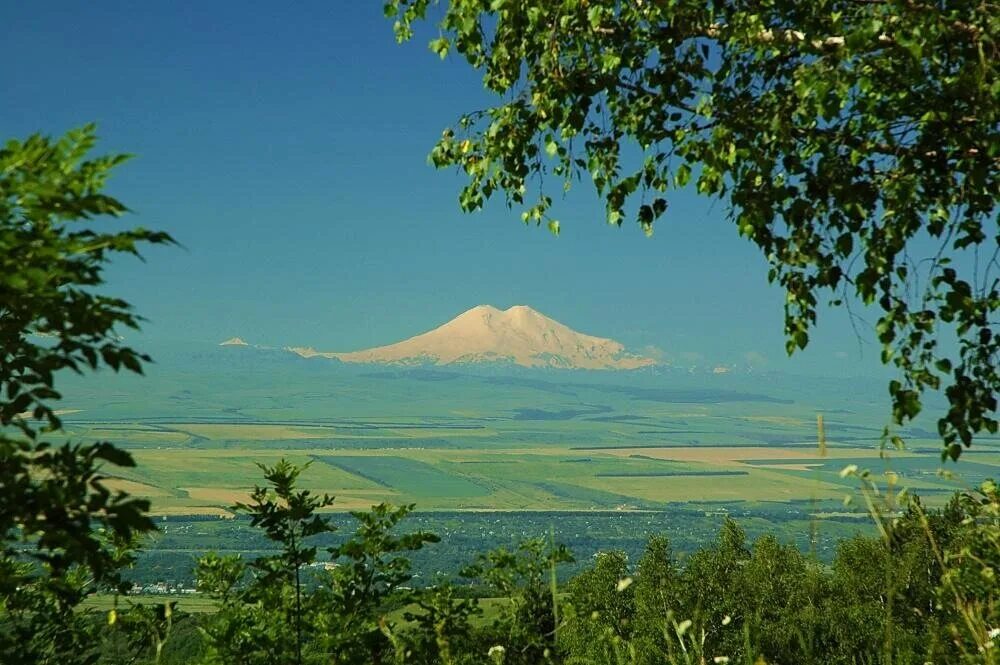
[[285, 147]]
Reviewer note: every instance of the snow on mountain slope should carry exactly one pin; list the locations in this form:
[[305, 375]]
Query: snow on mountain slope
[[518, 335]]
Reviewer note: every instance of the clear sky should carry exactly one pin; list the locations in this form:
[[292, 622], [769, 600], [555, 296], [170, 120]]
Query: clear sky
[[284, 145]]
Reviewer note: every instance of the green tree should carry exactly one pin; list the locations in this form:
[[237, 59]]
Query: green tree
[[441, 631], [527, 627], [856, 613], [781, 616], [656, 601], [881, 598], [602, 605], [288, 517], [711, 593], [967, 549], [272, 613], [845, 136], [142, 633], [265, 619], [370, 578], [64, 532]]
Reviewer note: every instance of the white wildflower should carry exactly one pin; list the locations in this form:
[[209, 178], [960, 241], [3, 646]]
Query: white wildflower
[[722, 660], [849, 470], [992, 633], [726, 619]]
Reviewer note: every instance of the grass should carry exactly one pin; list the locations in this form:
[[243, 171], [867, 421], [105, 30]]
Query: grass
[[192, 603], [253, 432], [407, 476], [756, 485]]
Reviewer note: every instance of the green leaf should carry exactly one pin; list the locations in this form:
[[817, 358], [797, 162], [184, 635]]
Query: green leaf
[[682, 175]]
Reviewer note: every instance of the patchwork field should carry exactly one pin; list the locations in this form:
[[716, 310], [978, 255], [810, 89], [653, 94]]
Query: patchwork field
[[450, 440], [600, 460], [204, 468]]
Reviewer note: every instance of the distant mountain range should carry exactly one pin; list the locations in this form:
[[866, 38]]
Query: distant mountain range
[[484, 334]]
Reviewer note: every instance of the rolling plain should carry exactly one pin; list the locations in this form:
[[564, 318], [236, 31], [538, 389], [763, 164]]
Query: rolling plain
[[512, 445], [520, 440]]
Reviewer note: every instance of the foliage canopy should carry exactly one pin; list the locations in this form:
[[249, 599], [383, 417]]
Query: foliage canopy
[[855, 142], [63, 532]]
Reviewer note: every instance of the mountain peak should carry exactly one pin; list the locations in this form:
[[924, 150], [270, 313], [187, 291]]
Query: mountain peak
[[234, 341], [522, 310], [519, 335], [479, 311], [512, 313]]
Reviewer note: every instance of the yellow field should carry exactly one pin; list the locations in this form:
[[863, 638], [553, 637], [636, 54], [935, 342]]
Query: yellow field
[[253, 432], [777, 420], [761, 485], [787, 467], [135, 488], [730, 454], [182, 475]]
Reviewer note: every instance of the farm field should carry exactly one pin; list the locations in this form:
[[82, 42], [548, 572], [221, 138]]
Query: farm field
[[637, 449], [491, 458], [180, 480], [190, 603], [199, 604]]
